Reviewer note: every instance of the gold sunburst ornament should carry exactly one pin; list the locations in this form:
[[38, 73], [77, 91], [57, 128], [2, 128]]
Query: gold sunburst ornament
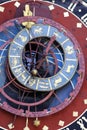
[[36, 122]]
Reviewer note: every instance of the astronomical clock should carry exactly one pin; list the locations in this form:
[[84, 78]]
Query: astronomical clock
[[43, 65]]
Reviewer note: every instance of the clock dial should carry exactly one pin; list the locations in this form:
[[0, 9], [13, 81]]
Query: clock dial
[[45, 82], [28, 60], [42, 63]]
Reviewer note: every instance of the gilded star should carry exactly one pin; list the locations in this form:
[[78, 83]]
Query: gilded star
[[36, 122]]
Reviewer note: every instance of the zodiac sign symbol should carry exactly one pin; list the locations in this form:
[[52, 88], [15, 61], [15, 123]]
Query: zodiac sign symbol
[[23, 39], [23, 77], [69, 68], [69, 49], [57, 81], [31, 82], [38, 30], [14, 61], [18, 70], [44, 87]]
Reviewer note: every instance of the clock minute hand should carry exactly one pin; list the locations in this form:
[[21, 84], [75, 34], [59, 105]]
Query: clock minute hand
[[46, 51]]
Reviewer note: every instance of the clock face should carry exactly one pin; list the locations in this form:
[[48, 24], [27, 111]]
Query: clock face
[[44, 56], [42, 65], [43, 60]]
